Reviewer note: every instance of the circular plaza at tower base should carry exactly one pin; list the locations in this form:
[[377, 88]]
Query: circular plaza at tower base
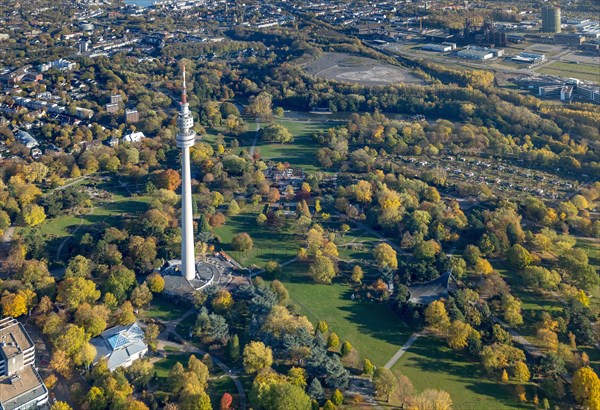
[[208, 271]]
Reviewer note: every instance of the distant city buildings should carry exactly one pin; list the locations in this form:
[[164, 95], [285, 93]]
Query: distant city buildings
[[21, 387], [120, 346], [60, 64]]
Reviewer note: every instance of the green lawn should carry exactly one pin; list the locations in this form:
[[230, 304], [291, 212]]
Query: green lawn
[[269, 243], [370, 327], [162, 309], [163, 366], [301, 153], [592, 247], [566, 69], [430, 364]]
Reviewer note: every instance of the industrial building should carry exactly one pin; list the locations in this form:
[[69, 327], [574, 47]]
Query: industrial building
[[529, 58], [551, 20], [569, 39], [478, 53], [440, 48], [21, 387]]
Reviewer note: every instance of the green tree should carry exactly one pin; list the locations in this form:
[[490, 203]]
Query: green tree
[[141, 295], [276, 133], [233, 208], [72, 292], [242, 242], [519, 257]]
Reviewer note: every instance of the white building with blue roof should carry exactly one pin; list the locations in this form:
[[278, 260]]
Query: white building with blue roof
[[120, 346]]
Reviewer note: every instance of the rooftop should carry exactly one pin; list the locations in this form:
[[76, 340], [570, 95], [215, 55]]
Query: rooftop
[[118, 344], [21, 388], [13, 338]]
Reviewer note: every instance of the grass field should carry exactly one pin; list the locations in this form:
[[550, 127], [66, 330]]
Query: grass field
[[269, 243], [162, 309], [371, 328], [580, 71], [300, 153], [430, 364], [163, 366]]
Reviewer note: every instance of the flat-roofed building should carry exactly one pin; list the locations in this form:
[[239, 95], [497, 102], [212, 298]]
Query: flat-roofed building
[[21, 387]]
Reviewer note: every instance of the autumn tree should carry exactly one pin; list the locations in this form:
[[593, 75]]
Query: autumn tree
[[357, 274], [257, 356], [586, 388], [436, 316], [385, 256], [155, 282], [384, 382], [322, 269], [167, 179], [242, 242]]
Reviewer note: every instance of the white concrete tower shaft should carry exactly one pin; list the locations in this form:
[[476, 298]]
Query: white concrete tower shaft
[[185, 139]]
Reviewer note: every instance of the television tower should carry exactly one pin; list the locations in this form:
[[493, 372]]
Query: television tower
[[186, 138]]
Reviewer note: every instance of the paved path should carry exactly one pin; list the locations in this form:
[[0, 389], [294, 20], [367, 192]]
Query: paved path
[[402, 350], [255, 137], [185, 346], [519, 339]]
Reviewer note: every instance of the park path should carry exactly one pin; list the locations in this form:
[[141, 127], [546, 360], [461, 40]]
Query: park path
[[519, 339], [255, 141], [185, 346], [413, 338]]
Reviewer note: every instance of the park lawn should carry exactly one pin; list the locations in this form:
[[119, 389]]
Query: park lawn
[[532, 302], [300, 153], [162, 309], [581, 71], [592, 248], [269, 243], [430, 364], [371, 328], [62, 226], [163, 366], [218, 386]]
